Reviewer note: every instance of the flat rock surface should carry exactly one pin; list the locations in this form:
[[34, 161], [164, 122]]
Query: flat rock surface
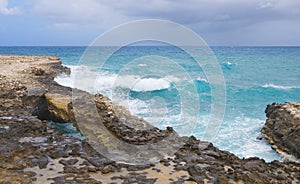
[[33, 152]]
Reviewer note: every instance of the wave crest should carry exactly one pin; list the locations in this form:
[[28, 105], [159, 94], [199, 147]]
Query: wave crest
[[278, 86], [101, 81], [151, 84]]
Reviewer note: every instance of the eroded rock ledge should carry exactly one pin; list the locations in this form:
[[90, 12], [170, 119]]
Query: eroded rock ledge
[[32, 152], [282, 127]]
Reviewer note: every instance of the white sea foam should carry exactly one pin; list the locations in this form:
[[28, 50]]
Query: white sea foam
[[151, 84], [100, 81], [202, 79], [279, 87], [238, 137], [228, 63], [288, 157], [136, 106], [68, 80], [132, 82]]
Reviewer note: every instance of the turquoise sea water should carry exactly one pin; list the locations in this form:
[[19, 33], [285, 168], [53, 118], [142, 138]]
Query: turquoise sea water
[[66, 128], [254, 77]]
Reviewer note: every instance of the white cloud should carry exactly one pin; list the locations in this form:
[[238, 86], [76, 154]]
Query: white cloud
[[8, 11], [266, 4], [80, 12]]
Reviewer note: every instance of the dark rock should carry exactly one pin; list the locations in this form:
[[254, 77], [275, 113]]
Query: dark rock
[[254, 164], [92, 169], [43, 162], [222, 179], [68, 162], [137, 167], [58, 153], [71, 169], [282, 128], [108, 169], [59, 179], [37, 71]]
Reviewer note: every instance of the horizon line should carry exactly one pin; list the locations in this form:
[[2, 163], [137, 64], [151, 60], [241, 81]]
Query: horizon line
[[148, 46]]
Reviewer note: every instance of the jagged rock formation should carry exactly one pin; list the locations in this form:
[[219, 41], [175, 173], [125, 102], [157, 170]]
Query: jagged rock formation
[[33, 152], [282, 127]]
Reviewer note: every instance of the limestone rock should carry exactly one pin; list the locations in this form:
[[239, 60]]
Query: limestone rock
[[58, 106]]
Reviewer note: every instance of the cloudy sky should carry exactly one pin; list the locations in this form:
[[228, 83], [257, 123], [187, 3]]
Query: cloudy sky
[[218, 22]]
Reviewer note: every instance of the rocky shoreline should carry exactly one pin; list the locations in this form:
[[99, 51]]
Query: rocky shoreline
[[282, 128], [33, 152]]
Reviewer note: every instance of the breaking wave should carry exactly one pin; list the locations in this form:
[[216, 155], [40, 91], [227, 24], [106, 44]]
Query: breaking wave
[[279, 87]]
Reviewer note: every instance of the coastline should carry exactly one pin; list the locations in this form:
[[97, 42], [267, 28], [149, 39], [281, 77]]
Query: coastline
[[282, 129], [30, 97]]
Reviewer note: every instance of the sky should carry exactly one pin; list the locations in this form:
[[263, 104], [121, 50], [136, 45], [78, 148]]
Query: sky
[[218, 22]]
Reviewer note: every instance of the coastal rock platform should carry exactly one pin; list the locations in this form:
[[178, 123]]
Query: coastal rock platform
[[33, 152]]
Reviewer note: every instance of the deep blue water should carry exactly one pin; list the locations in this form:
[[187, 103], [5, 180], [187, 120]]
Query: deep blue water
[[254, 77]]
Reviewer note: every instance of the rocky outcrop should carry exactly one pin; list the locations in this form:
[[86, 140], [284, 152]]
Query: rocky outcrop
[[33, 152], [115, 118], [58, 107], [282, 127]]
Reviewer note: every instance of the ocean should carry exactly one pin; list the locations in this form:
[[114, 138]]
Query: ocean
[[254, 77]]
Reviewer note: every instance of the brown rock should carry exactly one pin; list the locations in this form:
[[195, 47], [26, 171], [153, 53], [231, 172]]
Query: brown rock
[[282, 128], [58, 105]]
